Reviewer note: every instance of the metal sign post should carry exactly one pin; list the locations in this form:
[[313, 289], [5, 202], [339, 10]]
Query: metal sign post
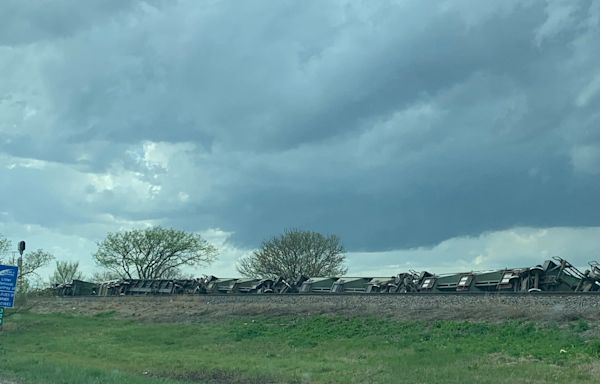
[[1, 317], [20, 264]]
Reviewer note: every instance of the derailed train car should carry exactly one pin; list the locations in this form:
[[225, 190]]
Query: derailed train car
[[555, 275]]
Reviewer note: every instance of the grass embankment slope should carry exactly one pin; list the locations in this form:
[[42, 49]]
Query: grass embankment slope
[[60, 348]]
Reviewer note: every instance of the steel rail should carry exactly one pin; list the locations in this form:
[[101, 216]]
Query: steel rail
[[341, 294]]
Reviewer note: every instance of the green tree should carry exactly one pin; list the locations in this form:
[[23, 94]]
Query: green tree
[[154, 253], [30, 279], [33, 261], [66, 272], [296, 253]]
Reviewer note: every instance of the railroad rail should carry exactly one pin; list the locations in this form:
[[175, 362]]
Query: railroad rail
[[351, 294]]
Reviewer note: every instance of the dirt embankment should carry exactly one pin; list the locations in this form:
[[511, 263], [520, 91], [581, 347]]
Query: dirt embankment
[[409, 307]]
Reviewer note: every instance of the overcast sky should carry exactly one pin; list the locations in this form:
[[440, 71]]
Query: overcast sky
[[446, 135]]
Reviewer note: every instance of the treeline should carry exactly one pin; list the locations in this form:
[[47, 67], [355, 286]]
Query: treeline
[[167, 253]]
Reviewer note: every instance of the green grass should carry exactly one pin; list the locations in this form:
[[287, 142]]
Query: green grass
[[317, 349]]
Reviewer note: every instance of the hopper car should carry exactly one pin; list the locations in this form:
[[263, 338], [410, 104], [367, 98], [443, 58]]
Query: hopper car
[[554, 275]]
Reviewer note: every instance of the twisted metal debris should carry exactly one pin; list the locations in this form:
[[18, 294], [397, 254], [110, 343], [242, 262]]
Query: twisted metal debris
[[556, 275]]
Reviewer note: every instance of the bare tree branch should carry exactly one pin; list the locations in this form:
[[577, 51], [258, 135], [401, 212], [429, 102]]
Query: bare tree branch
[[4, 246], [296, 253], [153, 253], [66, 272], [33, 261]]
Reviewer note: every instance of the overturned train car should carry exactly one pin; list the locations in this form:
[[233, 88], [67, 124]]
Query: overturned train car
[[556, 275]]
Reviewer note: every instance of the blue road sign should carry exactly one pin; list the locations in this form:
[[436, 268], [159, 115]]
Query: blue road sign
[[8, 285]]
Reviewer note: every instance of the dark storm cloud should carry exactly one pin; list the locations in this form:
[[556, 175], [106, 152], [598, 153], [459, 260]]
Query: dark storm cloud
[[37, 20], [392, 124]]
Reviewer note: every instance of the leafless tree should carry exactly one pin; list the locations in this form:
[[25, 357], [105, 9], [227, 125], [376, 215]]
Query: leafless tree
[[296, 253], [102, 276], [4, 246], [66, 272]]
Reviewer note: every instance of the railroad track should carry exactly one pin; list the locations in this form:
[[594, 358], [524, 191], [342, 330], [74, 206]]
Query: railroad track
[[345, 294]]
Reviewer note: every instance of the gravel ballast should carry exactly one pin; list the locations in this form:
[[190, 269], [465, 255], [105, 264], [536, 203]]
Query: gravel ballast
[[410, 306]]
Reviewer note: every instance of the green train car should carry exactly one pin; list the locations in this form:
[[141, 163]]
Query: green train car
[[555, 275]]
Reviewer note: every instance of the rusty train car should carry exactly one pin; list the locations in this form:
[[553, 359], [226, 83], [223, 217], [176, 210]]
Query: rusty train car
[[555, 275]]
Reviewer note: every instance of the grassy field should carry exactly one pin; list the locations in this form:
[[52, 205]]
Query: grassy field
[[58, 348]]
